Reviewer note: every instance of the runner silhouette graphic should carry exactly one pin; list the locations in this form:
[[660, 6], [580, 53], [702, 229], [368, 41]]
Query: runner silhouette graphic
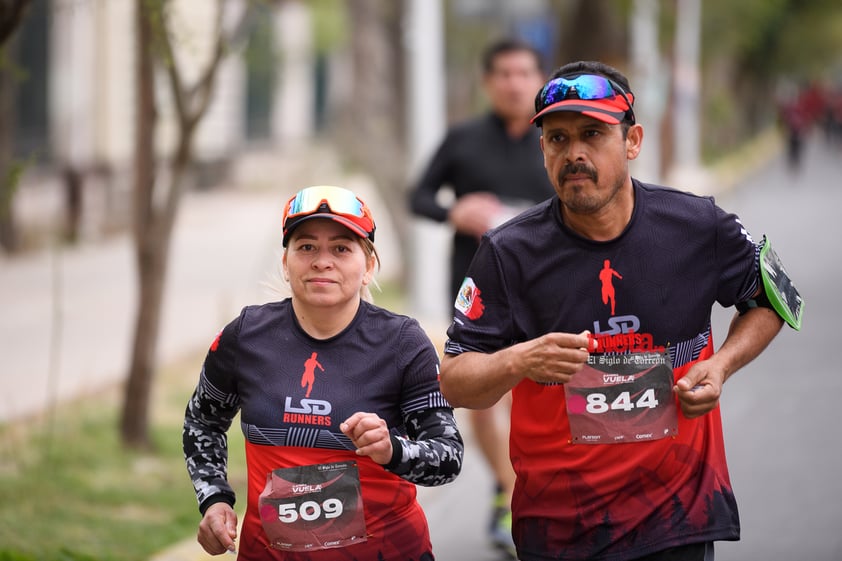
[[606, 276], [309, 375]]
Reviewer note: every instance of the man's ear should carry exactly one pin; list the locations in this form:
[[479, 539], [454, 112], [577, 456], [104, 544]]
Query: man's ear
[[634, 141]]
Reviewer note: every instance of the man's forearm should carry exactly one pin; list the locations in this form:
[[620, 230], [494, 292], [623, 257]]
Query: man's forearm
[[748, 335], [475, 380]]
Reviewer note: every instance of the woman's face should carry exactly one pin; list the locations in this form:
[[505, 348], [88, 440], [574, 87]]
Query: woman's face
[[326, 265]]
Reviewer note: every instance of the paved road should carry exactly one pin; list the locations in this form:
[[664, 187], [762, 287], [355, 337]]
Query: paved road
[[783, 447]]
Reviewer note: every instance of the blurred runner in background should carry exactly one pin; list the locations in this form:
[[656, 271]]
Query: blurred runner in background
[[494, 167]]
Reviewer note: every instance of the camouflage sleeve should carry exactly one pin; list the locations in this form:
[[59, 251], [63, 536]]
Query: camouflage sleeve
[[431, 453], [210, 412], [206, 421]]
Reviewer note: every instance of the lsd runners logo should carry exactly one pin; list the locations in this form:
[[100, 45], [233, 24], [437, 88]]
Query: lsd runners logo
[[468, 301], [621, 333], [308, 411]]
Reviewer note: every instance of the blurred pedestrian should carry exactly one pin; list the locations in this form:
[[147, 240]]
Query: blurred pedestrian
[[339, 403], [796, 124], [833, 115], [616, 433], [493, 165]]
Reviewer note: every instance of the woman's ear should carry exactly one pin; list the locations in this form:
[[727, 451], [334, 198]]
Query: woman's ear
[[371, 262]]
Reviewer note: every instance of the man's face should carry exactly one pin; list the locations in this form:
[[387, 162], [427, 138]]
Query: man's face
[[512, 84], [586, 159]]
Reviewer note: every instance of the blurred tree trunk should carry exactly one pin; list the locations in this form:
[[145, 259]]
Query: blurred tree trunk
[[154, 212], [11, 15], [150, 254], [9, 239], [373, 130], [605, 38]]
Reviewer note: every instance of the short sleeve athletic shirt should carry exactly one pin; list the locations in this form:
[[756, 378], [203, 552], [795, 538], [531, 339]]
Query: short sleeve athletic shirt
[[293, 391], [651, 288]]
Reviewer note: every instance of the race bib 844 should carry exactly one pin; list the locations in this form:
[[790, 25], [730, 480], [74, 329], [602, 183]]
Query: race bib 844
[[618, 398]]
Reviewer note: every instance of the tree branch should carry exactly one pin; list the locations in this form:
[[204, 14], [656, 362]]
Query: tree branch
[[173, 72], [204, 86], [11, 15], [192, 104]]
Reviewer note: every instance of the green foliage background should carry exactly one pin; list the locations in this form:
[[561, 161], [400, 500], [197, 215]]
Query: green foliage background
[[72, 493]]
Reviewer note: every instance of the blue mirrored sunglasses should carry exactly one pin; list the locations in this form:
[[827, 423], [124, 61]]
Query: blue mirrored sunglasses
[[584, 86]]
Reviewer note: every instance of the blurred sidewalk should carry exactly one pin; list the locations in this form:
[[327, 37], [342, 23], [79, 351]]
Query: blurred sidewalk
[[68, 313]]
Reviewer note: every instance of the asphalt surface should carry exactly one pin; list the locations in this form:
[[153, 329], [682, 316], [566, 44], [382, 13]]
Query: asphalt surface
[[67, 319], [780, 412]]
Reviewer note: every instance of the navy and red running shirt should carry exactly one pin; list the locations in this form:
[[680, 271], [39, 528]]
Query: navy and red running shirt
[[650, 290], [292, 392]]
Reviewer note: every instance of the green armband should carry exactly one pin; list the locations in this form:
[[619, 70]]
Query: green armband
[[778, 292]]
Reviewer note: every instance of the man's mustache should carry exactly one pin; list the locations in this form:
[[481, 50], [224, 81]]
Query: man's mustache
[[577, 169]]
